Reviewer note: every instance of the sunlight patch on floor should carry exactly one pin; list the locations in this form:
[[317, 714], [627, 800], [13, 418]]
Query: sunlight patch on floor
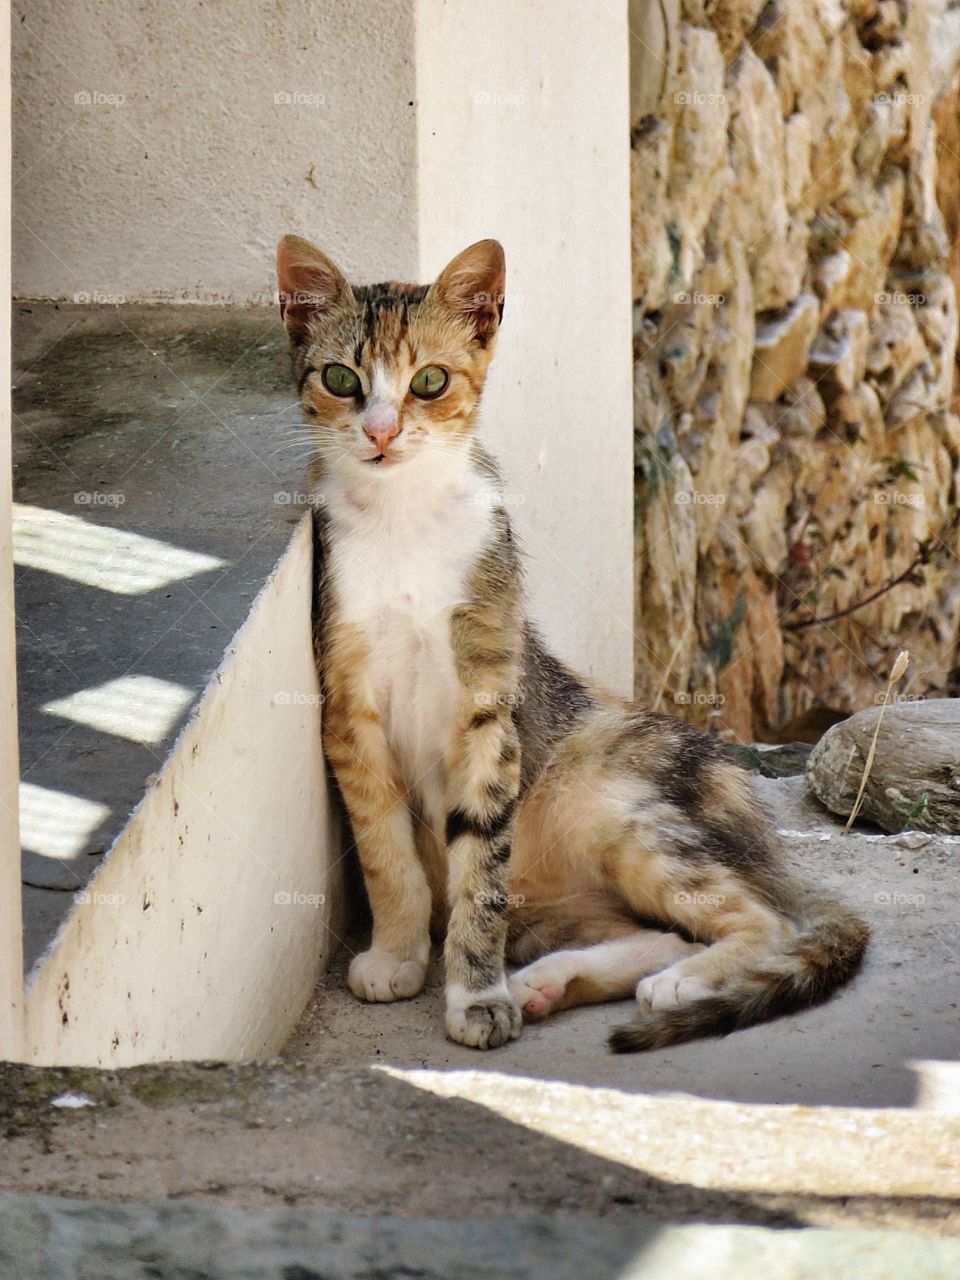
[[938, 1086], [56, 824], [138, 708], [111, 559], [720, 1145]]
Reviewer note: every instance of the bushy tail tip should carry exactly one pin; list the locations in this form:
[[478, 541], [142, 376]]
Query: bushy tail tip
[[824, 957]]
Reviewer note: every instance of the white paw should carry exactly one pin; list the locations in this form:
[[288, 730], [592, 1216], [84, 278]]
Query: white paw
[[539, 987], [376, 975], [670, 988], [482, 1019]]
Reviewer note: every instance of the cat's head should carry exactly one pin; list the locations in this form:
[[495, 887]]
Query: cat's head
[[390, 372]]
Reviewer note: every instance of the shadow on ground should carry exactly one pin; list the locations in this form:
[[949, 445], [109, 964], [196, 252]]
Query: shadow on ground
[[360, 1142]]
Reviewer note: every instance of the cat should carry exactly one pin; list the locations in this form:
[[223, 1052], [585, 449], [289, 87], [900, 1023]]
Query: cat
[[495, 799]]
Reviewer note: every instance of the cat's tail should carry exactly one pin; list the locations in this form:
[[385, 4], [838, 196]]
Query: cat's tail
[[825, 954]]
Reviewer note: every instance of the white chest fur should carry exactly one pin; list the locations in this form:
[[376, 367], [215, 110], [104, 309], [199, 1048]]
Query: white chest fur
[[401, 555]]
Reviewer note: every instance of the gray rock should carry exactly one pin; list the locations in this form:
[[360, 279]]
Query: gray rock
[[44, 1238], [914, 783], [770, 762]]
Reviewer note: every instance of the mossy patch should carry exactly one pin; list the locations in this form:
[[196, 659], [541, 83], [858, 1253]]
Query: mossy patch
[[27, 1093], [721, 644]]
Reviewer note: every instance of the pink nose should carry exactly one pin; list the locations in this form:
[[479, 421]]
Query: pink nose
[[381, 425]]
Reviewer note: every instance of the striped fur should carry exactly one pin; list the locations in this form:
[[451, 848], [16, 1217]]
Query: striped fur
[[494, 798]]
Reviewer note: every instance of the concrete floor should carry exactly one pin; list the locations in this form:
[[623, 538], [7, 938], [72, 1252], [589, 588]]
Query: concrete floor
[[171, 423], [862, 1049], [845, 1118]]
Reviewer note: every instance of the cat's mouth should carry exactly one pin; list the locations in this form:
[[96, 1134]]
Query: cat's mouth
[[382, 460]]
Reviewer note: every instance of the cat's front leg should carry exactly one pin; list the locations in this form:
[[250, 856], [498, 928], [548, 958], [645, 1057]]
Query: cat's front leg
[[395, 966], [485, 779]]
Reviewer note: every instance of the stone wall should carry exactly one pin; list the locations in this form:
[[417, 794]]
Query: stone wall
[[797, 434]]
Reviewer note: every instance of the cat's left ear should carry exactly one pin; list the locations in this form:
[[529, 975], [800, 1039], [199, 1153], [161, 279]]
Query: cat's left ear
[[309, 282], [473, 285]]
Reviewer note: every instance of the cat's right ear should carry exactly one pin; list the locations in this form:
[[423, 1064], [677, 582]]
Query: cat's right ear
[[308, 282], [472, 286]]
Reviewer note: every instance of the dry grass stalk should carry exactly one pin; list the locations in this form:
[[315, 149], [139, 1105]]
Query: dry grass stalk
[[899, 667]]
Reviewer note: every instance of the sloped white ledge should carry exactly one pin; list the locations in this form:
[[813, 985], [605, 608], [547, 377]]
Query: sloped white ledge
[[218, 905]]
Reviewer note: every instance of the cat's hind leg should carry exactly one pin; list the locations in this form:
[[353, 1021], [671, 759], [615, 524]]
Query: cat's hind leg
[[636, 819], [590, 975]]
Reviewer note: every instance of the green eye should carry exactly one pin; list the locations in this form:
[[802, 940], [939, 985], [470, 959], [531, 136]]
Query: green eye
[[429, 382], [340, 381]]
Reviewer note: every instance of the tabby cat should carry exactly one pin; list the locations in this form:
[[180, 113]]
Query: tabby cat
[[495, 799]]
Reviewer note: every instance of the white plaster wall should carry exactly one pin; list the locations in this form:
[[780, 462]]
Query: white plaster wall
[[180, 175], [415, 128], [209, 921], [11, 933], [523, 120]]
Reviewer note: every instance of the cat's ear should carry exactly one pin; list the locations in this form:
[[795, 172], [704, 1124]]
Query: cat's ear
[[308, 282], [473, 284]]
